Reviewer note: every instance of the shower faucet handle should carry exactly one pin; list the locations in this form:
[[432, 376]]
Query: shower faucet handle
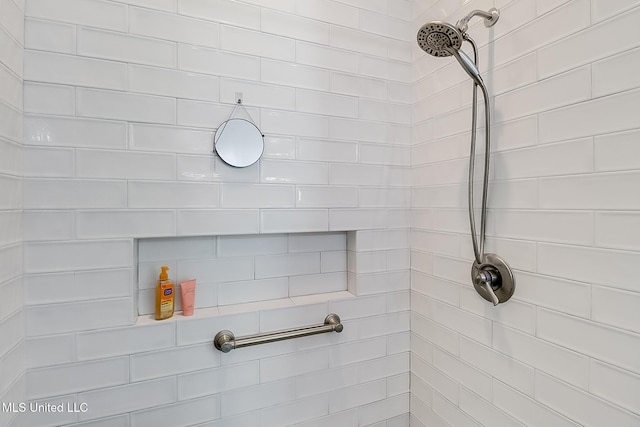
[[488, 279]]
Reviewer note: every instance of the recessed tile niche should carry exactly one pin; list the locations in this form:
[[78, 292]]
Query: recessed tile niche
[[241, 269]]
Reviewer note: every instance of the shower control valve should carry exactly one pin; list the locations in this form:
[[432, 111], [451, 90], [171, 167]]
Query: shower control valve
[[493, 279]]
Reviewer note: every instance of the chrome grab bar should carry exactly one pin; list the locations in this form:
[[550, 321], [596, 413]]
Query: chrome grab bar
[[225, 341]]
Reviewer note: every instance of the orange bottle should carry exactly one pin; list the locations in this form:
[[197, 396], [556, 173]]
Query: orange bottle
[[164, 296]]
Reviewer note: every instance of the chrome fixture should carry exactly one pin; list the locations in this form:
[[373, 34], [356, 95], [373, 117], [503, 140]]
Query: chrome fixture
[[490, 18], [491, 275], [225, 341]]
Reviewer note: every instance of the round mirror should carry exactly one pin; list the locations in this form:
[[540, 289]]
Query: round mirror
[[239, 142]]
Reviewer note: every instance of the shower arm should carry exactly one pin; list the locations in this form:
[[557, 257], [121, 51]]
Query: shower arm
[[490, 18]]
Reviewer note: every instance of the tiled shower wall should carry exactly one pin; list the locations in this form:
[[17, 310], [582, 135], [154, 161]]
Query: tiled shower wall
[[121, 101], [12, 349], [564, 212]]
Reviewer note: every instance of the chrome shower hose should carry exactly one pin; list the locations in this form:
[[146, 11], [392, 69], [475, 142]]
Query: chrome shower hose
[[478, 247]]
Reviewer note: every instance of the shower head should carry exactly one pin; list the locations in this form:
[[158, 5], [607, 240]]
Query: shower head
[[440, 39], [437, 38]]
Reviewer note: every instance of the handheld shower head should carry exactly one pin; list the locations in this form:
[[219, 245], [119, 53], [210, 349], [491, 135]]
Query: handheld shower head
[[443, 39], [468, 66], [437, 38]]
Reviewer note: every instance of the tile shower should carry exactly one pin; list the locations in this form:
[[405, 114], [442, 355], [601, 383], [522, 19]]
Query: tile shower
[[108, 110]]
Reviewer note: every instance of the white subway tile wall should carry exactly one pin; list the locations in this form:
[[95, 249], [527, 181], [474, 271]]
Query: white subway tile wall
[[121, 101], [563, 211], [13, 351]]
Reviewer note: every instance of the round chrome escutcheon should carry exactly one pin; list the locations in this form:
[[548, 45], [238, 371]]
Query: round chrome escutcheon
[[503, 287]]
